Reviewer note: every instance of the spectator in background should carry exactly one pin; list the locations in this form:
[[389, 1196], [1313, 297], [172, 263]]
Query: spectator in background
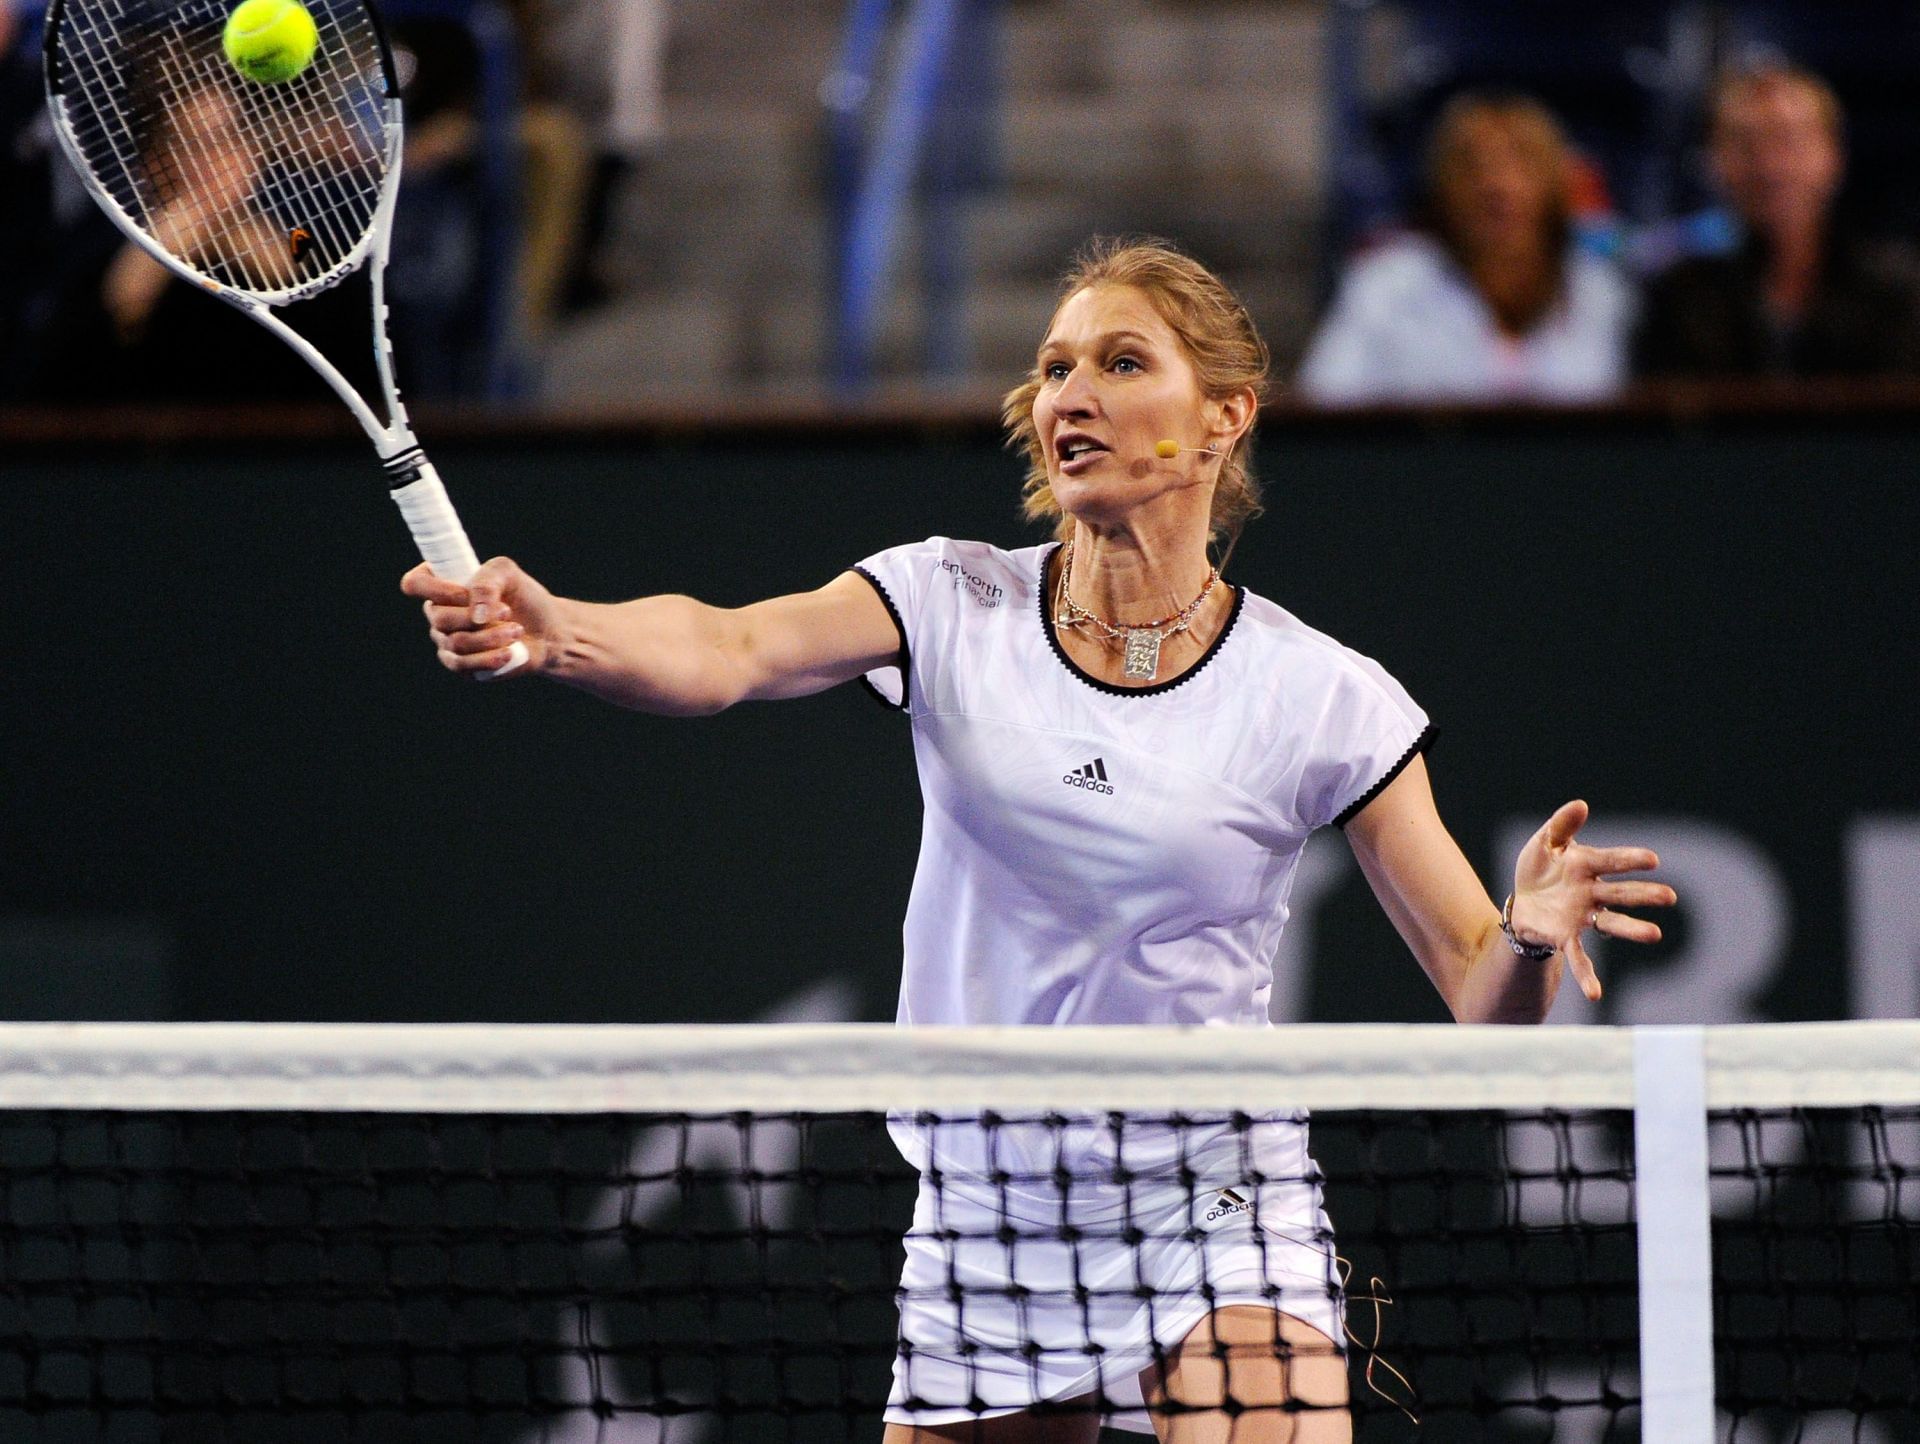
[[1799, 296], [597, 79], [437, 280], [1491, 299]]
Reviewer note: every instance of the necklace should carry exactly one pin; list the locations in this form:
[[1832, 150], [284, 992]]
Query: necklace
[[1142, 641]]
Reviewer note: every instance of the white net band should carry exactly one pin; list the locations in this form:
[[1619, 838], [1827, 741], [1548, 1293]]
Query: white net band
[[533, 1068]]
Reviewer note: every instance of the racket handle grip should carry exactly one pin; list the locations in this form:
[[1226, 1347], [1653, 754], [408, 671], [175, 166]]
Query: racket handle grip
[[442, 540]]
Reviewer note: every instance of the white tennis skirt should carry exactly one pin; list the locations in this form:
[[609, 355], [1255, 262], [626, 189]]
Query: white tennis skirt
[[1001, 1308]]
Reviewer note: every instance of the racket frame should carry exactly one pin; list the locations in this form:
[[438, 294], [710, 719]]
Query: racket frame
[[412, 481], [391, 437]]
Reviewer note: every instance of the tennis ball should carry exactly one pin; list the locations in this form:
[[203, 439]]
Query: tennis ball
[[269, 41]]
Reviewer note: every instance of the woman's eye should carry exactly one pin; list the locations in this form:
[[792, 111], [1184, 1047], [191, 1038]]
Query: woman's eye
[[1126, 365], [1055, 370]]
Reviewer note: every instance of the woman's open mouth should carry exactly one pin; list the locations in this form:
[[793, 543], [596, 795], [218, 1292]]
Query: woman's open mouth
[[1077, 454]]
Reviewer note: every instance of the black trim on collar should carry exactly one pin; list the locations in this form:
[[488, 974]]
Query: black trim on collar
[[1053, 640], [1424, 742], [905, 664]]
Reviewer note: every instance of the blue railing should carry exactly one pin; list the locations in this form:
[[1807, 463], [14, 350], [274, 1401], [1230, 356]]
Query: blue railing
[[930, 140]]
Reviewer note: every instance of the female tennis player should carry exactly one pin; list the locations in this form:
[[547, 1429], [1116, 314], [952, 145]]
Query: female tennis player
[[1122, 755]]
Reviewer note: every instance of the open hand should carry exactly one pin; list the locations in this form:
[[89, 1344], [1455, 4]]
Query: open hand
[[1562, 887]]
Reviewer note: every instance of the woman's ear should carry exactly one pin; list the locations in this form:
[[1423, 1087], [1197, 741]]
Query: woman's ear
[[1234, 414]]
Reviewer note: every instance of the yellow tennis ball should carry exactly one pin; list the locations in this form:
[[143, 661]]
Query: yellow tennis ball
[[269, 41]]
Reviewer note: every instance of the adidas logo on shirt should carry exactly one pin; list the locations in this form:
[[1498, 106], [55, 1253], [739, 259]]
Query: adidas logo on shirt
[[1228, 1204], [1093, 777]]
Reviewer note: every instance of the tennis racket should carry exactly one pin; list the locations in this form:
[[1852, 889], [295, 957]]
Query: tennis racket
[[260, 194]]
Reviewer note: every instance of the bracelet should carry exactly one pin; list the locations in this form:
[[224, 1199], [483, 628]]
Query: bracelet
[[1532, 952]]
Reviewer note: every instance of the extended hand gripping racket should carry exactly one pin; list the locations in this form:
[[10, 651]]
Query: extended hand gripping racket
[[262, 194]]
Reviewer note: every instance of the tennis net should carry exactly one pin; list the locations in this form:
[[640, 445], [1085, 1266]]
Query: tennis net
[[295, 1233]]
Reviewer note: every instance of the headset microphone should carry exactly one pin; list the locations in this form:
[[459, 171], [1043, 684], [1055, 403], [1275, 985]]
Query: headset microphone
[[1167, 450]]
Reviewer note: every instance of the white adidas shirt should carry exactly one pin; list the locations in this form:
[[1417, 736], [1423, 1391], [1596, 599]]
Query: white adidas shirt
[[1093, 854]]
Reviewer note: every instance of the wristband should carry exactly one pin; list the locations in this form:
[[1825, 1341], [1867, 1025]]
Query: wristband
[[1532, 952]]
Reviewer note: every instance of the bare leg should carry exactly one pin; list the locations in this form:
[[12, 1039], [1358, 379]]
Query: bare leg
[[1233, 1354]]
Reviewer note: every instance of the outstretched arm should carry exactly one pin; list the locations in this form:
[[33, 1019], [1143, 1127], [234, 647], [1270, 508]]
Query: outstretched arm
[[669, 655], [1561, 888]]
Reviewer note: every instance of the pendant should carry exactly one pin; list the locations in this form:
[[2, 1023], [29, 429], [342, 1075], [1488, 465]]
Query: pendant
[[1143, 655]]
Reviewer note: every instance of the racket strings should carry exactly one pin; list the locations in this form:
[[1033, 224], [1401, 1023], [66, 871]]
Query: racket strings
[[347, 190], [341, 181], [203, 208], [270, 189], [340, 189]]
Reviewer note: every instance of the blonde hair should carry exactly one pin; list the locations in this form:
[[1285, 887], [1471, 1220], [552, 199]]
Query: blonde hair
[[1220, 341]]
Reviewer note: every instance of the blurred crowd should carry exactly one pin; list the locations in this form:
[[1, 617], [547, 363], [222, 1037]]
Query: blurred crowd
[[1507, 277], [1512, 283]]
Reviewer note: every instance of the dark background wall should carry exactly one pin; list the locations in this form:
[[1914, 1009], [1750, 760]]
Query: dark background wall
[[235, 784]]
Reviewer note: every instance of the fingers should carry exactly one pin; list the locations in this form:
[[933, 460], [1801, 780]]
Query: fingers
[[499, 660], [1634, 895], [1627, 928], [477, 642], [486, 587], [461, 618], [484, 661], [1565, 824], [1583, 970], [483, 589], [421, 582], [517, 657], [451, 608], [1601, 861]]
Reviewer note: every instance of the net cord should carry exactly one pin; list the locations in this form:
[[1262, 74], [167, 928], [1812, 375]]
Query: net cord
[[539, 1068]]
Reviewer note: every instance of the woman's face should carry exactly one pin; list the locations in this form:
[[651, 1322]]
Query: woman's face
[[1496, 196], [1114, 382], [1778, 156]]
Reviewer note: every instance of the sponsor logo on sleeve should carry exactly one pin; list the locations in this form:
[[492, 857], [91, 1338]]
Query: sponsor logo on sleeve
[[983, 592]]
